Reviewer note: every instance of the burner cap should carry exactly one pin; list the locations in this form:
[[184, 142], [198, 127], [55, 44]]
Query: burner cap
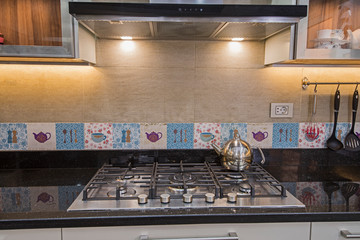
[[242, 187], [180, 178], [124, 192]]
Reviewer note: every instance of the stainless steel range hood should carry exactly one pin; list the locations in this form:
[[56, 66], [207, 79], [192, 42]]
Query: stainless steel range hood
[[179, 21]]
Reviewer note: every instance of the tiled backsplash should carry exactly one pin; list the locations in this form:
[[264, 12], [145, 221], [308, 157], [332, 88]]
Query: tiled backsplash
[[79, 136]]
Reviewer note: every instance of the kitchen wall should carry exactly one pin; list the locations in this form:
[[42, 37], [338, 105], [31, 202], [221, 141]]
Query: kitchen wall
[[169, 81]]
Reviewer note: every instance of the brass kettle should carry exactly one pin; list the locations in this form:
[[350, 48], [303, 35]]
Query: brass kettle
[[236, 154]]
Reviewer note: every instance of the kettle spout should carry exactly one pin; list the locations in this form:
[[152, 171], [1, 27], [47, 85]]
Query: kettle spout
[[217, 149]]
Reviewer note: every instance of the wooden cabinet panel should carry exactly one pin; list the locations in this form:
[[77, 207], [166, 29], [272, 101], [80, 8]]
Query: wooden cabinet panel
[[31, 22]]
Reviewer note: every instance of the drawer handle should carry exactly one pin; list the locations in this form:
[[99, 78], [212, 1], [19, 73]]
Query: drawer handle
[[347, 234], [231, 236]]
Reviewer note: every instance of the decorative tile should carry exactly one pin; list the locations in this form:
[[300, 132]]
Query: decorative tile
[[15, 199], [342, 129], [98, 136], [310, 193], [180, 135], [13, 136], [312, 135], [285, 135], [126, 135], [260, 135], [153, 136], [41, 136], [357, 129], [205, 134], [44, 199], [67, 195], [229, 129], [69, 136]]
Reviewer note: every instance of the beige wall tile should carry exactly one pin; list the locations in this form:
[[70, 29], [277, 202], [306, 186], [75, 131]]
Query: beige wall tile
[[224, 54], [145, 53]]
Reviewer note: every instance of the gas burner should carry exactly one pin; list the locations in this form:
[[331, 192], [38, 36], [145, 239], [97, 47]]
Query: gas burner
[[240, 177], [188, 178], [181, 178], [242, 187], [124, 192]]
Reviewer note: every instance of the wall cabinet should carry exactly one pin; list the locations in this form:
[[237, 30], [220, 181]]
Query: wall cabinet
[[269, 231], [31, 234], [332, 230], [331, 30], [41, 29]]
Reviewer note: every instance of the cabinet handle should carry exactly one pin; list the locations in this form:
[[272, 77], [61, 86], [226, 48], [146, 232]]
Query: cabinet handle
[[231, 236], [347, 234]]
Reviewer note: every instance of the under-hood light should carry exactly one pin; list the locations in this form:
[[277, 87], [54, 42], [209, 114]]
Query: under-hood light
[[237, 39], [126, 38]]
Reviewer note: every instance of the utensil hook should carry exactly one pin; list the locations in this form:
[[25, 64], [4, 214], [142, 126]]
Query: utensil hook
[[338, 87], [357, 84], [315, 89]]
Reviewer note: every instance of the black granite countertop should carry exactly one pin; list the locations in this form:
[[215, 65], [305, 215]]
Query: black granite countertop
[[298, 170]]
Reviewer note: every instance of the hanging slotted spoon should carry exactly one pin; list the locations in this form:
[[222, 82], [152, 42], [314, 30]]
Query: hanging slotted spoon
[[333, 143], [352, 142], [347, 190]]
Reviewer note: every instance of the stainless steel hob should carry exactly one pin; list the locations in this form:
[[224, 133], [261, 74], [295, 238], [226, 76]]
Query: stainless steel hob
[[182, 186]]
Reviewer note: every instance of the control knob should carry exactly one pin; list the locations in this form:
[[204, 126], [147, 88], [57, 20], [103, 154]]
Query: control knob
[[165, 198], [142, 198], [187, 198], [232, 197], [209, 197]]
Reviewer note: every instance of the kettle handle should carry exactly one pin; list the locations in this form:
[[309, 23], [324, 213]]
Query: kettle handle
[[262, 156]]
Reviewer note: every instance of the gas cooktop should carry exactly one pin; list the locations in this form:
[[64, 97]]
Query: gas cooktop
[[182, 185]]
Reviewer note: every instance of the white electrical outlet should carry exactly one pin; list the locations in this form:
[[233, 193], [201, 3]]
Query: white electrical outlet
[[281, 110]]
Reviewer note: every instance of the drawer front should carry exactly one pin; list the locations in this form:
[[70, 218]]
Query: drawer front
[[269, 231], [332, 230], [31, 234]]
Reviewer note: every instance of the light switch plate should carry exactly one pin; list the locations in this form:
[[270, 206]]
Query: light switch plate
[[281, 110]]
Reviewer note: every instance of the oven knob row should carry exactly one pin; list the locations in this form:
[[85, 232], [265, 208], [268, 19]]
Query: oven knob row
[[164, 198]]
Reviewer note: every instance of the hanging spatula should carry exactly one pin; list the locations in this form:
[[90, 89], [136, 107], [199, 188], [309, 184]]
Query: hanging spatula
[[333, 143], [347, 190], [352, 142]]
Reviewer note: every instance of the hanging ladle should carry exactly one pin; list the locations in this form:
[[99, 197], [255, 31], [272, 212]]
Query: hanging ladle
[[333, 143]]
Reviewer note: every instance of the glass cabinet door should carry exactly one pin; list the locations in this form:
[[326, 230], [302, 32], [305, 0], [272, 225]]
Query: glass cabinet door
[[331, 30], [36, 28]]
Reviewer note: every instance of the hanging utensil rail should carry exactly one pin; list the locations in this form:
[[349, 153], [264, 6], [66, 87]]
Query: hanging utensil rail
[[306, 83]]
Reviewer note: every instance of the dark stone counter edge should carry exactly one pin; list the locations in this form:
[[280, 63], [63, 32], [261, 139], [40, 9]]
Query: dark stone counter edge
[[107, 221]]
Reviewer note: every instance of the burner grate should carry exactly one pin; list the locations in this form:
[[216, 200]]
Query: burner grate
[[182, 178]]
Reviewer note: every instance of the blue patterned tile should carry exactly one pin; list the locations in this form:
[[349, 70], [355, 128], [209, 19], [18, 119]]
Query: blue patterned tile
[[15, 199], [342, 130], [290, 186], [126, 135], [69, 136], [285, 135], [228, 130], [67, 195], [13, 136], [180, 135]]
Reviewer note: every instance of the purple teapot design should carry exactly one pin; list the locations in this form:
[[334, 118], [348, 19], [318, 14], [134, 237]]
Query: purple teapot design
[[259, 136], [153, 136], [42, 137]]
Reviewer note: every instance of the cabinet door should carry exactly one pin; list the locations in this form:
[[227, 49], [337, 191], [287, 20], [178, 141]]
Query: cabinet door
[[31, 234], [330, 31], [331, 230], [36, 28], [269, 231]]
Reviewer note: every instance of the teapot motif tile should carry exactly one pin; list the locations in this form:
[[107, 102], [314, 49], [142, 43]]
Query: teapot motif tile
[[153, 136], [41, 136], [260, 134]]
